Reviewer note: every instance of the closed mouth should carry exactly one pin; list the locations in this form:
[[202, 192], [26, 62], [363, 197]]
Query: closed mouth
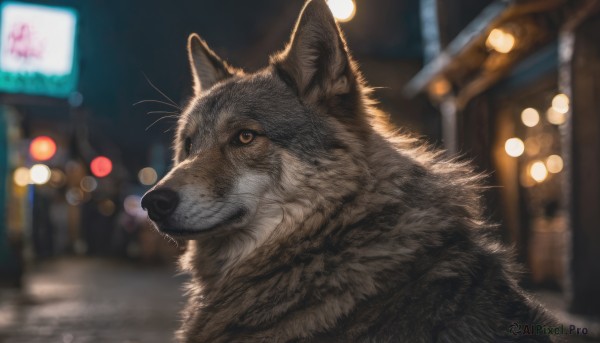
[[236, 216]]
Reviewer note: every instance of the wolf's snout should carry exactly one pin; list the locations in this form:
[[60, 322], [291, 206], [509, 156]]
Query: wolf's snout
[[160, 203]]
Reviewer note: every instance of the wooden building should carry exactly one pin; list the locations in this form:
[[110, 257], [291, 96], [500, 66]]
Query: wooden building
[[517, 84]]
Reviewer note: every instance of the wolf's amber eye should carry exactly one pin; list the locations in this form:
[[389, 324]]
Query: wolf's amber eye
[[187, 145], [246, 136]]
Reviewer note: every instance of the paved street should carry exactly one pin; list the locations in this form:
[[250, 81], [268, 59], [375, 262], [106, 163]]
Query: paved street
[[93, 300]]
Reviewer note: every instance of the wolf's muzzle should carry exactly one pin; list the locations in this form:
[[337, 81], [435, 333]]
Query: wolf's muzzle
[[160, 203]]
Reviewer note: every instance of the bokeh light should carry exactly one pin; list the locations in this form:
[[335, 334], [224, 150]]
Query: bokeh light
[[74, 196], [530, 117], [21, 177], [440, 87], [555, 117], [57, 178], [538, 171], [501, 41], [42, 148], [88, 184], [514, 147], [560, 103], [40, 174], [343, 10], [101, 166], [133, 206], [554, 163], [147, 176], [106, 207]]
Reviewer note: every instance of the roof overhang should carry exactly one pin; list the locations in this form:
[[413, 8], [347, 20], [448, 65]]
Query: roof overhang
[[467, 67]]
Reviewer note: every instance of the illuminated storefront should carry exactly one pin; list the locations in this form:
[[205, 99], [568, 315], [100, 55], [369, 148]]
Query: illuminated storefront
[[38, 70], [516, 85]]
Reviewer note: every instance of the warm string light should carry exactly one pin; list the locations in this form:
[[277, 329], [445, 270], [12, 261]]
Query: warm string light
[[342, 10], [555, 117], [560, 103], [557, 113], [440, 87], [530, 117], [538, 171], [554, 164], [514, 147], [500, 40]]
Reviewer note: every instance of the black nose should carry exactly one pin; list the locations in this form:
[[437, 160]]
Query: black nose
[[160, 203]]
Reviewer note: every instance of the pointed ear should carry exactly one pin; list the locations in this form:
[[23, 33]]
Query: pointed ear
[[207, 68], [317, 60]]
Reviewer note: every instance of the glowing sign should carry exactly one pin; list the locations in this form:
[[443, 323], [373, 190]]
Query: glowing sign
[[37, 49]]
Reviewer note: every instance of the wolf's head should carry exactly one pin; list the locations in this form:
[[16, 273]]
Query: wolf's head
[[254, 150]]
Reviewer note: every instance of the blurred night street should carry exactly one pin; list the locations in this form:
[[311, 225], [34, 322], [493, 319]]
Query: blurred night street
[[93, 300]]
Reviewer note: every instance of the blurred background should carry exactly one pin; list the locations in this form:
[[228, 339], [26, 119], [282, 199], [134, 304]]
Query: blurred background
[[87, 94]]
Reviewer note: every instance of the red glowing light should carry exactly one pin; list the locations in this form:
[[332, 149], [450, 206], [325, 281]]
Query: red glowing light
[[42, 148], [101, 166]]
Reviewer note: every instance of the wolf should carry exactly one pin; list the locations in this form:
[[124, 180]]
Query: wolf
[[307, 219]]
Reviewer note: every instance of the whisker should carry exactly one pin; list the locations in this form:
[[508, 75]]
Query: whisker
[[158, 102], [158, 90], [157, 120], [164, 112], [171, 240]]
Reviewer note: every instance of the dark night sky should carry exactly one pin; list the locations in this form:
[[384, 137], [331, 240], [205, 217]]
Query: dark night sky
[[120, 41]]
